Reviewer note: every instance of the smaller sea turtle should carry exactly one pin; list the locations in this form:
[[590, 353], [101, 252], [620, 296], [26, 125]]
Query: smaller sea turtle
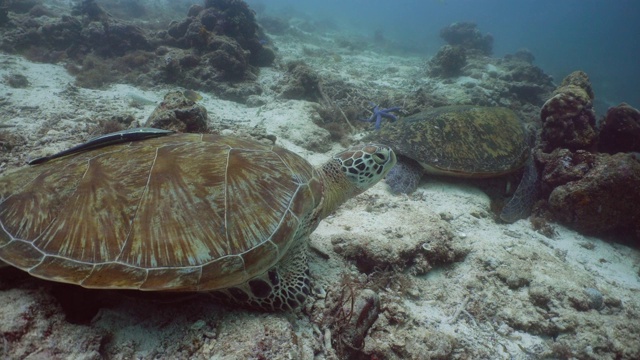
[[461, 141], [145, 209]]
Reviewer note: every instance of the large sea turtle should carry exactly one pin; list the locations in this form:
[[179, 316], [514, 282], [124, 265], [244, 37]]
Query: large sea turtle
[[181, 212], [462, 141]]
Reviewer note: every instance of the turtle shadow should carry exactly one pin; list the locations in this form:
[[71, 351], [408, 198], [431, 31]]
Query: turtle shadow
[[81, 306], [498, 189]]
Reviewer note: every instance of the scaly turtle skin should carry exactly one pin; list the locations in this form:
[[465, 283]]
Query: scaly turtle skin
[[182, 212], [461, 141]]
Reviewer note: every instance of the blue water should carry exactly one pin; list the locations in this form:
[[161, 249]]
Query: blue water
[[600, 37]]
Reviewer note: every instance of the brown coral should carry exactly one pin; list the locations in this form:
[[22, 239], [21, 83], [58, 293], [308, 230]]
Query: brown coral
[[568, 118]]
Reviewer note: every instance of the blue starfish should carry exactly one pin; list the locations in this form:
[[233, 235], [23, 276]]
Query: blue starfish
[[378, 114]]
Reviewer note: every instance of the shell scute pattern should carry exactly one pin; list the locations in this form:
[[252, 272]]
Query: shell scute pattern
[[113, 216], [59, 269], [36, 192], [461, 140], [25, 255]]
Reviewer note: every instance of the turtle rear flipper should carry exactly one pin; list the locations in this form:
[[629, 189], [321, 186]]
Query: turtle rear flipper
[[519, 206]]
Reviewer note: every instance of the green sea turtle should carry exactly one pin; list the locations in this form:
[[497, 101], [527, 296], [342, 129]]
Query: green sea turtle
[[461, 141], [147, 210]]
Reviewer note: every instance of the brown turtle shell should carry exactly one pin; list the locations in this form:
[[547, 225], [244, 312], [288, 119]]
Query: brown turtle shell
[[184, 212], [460, 140]]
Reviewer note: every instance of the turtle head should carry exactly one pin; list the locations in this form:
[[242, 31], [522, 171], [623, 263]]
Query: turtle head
[[365, 165], [353, 171]]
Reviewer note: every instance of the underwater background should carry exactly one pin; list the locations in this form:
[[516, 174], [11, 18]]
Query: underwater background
[[437, 273], [595, 36]]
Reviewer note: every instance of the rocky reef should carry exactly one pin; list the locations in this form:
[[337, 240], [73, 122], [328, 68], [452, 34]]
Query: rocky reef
[[512, 81], [467, 36], [568, 117], [448, 61], [300, 82], [595, 193], [463, 39], [591, 175], [216, 48]]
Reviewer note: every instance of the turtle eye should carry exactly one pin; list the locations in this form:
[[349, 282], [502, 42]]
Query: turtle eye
[[380, 158]]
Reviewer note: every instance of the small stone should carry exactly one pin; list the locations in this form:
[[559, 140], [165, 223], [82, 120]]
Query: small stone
[[446, 216], [254, 101], [596, 300], [16, 80], [198, 325]]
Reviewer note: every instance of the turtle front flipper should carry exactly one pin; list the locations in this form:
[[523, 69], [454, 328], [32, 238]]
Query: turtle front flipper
[[519, 206], [283, 287], [404, 177]]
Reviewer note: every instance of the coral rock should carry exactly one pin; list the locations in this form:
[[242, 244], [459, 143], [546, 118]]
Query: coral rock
[[194, 10], [221, 42], [568, 118], [620, 131], [178, 113], [604, 200], [523, 55], [467, 35], [63, 33], [579, 79], [431, 243], [227, 57], [301, 83], [563, 166], [448, 61]]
